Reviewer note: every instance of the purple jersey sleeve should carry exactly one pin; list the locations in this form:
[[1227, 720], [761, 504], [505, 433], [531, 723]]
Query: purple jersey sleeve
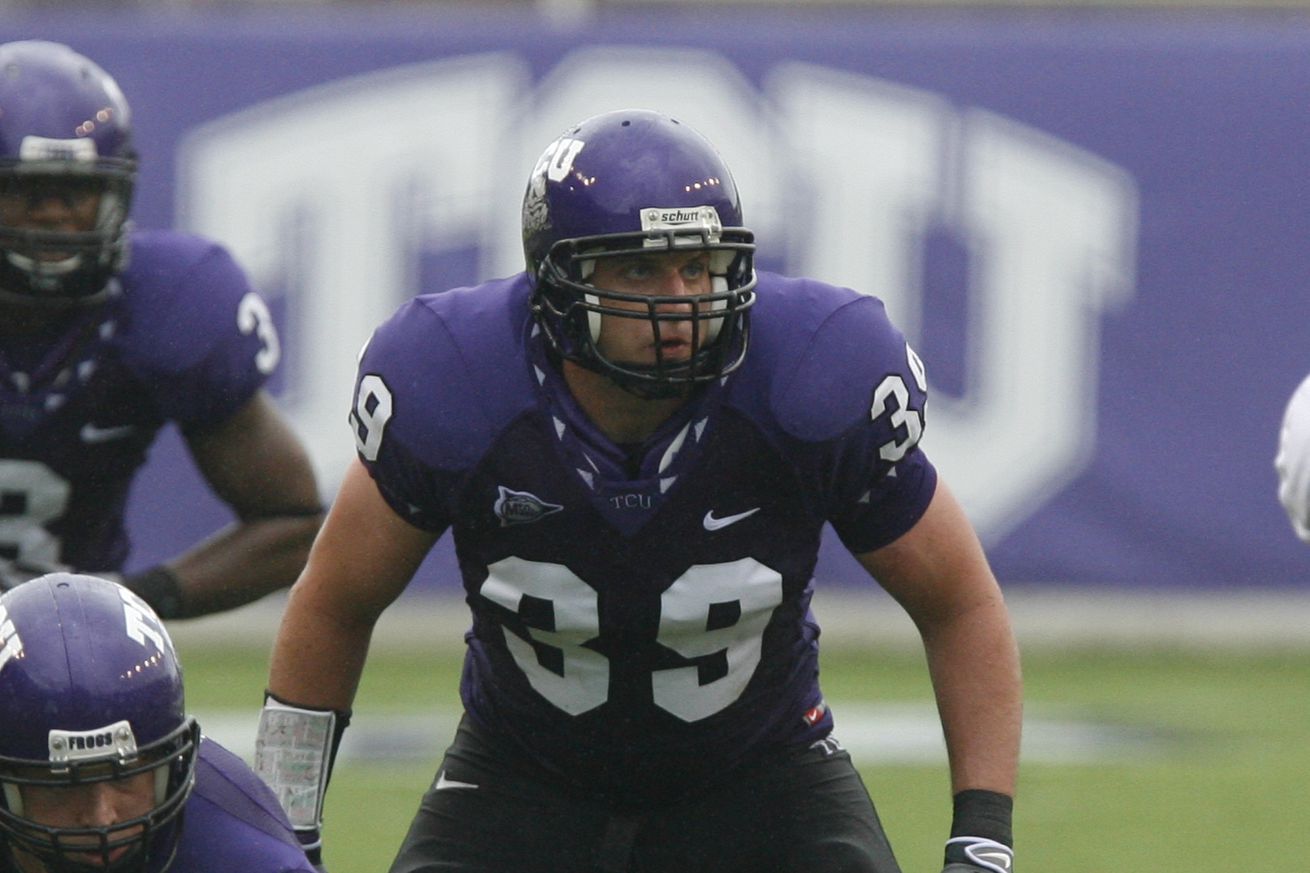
[[195, 330], [391, 430], [435, 384], [233, 822], [856, 396]]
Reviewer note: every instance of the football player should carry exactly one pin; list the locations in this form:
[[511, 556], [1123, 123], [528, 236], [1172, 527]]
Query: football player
[[106, 335], [101, 769], [637, 443]]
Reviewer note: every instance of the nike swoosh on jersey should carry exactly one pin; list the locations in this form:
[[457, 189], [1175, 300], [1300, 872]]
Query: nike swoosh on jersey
[[712, 523], [91, 433], [443, 783]]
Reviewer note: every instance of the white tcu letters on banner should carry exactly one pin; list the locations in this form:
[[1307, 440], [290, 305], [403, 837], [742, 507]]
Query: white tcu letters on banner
[[345, 186]]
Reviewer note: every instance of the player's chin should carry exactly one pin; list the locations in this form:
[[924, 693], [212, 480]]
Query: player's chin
[[94, 858], [655, 356]]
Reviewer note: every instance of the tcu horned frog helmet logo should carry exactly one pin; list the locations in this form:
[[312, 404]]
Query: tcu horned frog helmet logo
[[554, 164]]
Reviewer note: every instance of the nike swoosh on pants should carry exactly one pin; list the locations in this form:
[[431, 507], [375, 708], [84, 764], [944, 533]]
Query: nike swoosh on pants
[[443, 783]]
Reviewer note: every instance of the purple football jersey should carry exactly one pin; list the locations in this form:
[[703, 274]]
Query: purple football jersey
[[642, 625], [182, 338], [233, 822]]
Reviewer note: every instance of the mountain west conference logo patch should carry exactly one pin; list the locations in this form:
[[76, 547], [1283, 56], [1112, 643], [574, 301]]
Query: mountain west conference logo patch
[[520, 507]]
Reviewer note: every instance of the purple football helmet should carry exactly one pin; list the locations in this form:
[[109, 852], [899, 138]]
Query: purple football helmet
[[65, 132], [90, 691], [626, 183]]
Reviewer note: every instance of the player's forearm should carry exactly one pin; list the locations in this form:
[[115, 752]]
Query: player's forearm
[[319, 653], [974, 663], [243, 562]]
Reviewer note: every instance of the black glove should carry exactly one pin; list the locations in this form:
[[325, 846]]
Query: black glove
[[158, 587], [977, 855]]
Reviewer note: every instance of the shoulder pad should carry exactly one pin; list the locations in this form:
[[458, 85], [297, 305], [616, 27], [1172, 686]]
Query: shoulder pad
[[827, 350], [181, 295], [453, 366]]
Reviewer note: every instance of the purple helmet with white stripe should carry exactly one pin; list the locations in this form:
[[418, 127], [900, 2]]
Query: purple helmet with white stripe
[[90, 692], [65, 133], [635, 182]]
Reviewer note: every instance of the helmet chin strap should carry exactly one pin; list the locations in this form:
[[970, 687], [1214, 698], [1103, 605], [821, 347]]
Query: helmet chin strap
[[594, 319], [585, 269], [718, 285]]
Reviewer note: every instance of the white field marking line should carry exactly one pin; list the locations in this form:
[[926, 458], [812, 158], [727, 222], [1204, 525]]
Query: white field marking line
[[908, 733]]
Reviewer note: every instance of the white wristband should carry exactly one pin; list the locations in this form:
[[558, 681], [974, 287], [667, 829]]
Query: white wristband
[[293, 754]]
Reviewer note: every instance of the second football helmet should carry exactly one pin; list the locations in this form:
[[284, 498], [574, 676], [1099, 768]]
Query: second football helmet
[[90, 692], [65, 132], [631, 182]]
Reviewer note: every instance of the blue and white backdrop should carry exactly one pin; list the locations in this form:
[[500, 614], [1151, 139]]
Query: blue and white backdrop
[[1094, 227]]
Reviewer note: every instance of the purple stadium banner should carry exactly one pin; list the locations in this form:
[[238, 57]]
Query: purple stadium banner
[[1095, 227]]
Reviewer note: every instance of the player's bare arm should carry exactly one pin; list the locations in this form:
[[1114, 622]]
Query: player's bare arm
[[256, 465], [938, 572], [363, 558]]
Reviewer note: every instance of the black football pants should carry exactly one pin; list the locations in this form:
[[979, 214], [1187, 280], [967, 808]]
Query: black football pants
[[801, 811]]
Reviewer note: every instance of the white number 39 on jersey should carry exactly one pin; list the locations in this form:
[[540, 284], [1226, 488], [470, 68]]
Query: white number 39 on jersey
[[583, 683]]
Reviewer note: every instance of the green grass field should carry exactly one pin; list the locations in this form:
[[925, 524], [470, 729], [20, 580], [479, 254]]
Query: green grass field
[[1195, 762]]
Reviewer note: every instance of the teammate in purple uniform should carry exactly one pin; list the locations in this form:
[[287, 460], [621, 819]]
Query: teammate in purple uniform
[[100, 767], [106, 335], [637, 443]]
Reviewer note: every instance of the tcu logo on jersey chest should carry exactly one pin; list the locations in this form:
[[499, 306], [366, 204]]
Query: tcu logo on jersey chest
[[631, 501]]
